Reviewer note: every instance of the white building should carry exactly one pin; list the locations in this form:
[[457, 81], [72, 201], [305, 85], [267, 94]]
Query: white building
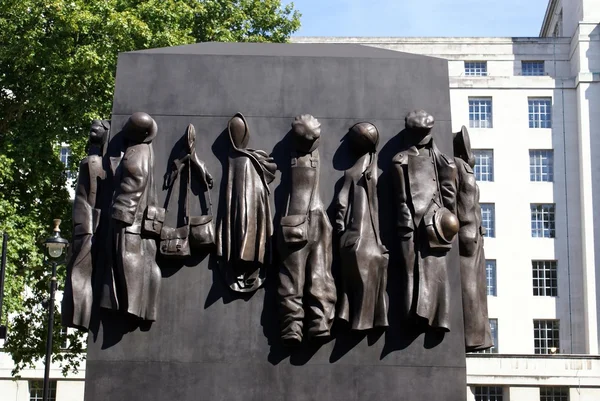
[[532, 106]]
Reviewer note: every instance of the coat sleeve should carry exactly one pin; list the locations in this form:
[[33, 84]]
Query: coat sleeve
[[341, 204], [404, 218], [447, 177], [133, 183], [466, 209]]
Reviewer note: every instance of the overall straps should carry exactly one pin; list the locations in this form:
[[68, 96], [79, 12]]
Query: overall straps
[[186, 200], [312, 192]]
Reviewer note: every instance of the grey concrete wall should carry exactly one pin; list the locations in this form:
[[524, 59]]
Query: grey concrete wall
[[209, 344]]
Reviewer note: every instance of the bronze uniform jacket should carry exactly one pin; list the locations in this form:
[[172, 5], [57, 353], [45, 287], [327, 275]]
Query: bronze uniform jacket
[[421, 181]]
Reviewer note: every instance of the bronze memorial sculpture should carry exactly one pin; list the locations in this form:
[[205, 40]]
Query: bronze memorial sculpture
[[134, 276], [478, 335], [304, 243], [425, 199], [364, 259], [245, 228], [78, 296]]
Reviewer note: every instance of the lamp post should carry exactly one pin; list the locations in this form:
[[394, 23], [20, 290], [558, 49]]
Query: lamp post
[[55, 246]]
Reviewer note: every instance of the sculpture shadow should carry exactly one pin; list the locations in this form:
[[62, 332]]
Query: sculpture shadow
[[115, 325], [219, 288]]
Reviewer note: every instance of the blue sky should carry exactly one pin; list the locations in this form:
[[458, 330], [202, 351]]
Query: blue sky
[[421, 17]]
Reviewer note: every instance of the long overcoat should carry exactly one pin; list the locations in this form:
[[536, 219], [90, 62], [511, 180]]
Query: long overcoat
[[135, 276], [423, 180], [78, 295], [363, 300], [472, 260]]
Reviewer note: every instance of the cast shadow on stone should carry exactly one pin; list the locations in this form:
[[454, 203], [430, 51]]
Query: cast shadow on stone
[[403, 330], [176, 216], [115, 325], [219, 289]]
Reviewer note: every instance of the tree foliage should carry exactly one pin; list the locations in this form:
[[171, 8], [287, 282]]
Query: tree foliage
[[57, 67]]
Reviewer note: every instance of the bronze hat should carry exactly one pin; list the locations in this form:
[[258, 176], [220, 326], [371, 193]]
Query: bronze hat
[[446, 224], [140, 127], [462, 146]]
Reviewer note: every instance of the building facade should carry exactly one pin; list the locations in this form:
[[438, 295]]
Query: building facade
[[532, 107]]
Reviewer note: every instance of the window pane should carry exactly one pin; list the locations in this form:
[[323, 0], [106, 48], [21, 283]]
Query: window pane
[[540, 112], [488, 219], [554, 394], [532, 68], [36, 390], [494, 330], [546, 336], [490, 275], [476, 68], [541, 165], [545, 282], [484, 165], [542, 221], [480, 112], [488, 393]]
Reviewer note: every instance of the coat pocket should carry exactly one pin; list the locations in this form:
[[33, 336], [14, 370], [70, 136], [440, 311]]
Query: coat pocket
[[294, 229]]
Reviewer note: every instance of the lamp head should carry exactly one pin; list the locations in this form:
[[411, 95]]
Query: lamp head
[[56, 244]]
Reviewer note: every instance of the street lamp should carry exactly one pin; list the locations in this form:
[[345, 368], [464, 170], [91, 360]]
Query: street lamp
[[56, 246]]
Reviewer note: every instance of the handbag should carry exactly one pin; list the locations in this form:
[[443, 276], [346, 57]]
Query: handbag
[[294, 228], [202, 228], [154, 216], [174, 241]]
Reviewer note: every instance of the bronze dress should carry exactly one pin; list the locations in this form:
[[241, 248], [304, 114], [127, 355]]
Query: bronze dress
[[472, 261], [364, 259]]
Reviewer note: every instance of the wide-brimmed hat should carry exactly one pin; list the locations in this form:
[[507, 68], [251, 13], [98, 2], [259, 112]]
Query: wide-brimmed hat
[[462, 146], [306, 132]]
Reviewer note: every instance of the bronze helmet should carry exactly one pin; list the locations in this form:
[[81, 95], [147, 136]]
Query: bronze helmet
[[140, 127], [446, 224], [363, 137]]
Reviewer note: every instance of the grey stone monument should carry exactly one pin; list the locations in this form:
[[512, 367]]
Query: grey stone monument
[[211, 343]]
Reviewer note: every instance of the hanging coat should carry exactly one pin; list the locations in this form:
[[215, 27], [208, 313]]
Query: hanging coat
[[364, 259], [245, 228], [424, 180], [135, 276], [478, 335], [78, 295]]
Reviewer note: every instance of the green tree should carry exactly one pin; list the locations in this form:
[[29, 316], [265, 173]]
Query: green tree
[[57, 66]]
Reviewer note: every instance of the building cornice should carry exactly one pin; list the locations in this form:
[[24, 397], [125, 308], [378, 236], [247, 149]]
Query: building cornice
[[427, 40], [548, 18]]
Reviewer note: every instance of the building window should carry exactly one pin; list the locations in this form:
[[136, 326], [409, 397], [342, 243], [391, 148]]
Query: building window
[[542, 220], [490, 276], [480, 112], [545, 283], [554, 394], [488, 219], [476, 68], [488, 393], [484, 165], [532, 68], [545, 336], [36, 390], [64, 344], [540, 113], [541, 165], [65, 154], [494, 330]]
